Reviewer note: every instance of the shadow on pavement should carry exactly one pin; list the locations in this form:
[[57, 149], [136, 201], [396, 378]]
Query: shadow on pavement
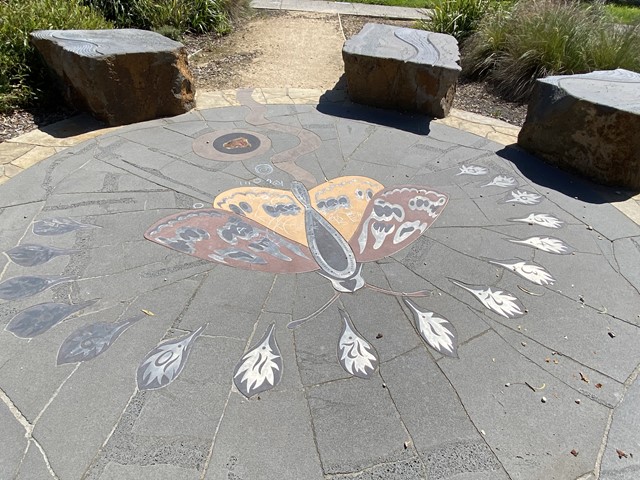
[[562, 181], [332, 103]]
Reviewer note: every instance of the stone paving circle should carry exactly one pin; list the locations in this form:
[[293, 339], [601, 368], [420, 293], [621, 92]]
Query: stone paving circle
[[373, 296]]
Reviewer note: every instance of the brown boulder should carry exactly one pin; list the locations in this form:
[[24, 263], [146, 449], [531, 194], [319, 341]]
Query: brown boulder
[[119, 76], [588, 124], [402, 69]]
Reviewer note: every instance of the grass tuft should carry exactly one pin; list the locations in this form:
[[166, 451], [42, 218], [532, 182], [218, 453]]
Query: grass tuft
[[459, 18], [538, 38]]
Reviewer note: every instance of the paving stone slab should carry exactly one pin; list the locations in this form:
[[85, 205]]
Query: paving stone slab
[[213, 383]]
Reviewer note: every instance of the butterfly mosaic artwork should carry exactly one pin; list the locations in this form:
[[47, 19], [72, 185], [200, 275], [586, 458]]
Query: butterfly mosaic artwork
[[331, 229]]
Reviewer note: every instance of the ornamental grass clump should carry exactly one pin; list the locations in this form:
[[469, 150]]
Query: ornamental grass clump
[[537, 38], [458, 18]]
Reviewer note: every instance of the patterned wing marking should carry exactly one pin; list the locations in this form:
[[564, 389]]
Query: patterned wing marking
[[223, 237], [342, 201], [277, 210], [395, 218]]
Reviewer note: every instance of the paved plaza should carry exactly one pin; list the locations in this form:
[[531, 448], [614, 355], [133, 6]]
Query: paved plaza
[[314, 291]]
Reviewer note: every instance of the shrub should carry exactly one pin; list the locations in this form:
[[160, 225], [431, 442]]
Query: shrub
[[22, 74], [537, 38], [459, 18], [195, 16]]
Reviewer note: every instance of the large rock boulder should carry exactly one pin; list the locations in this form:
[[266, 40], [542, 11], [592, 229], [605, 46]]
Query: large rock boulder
[[120, 76], [589, 124], [402, 69]]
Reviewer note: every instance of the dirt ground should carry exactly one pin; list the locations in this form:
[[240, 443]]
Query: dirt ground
[[277, 49]]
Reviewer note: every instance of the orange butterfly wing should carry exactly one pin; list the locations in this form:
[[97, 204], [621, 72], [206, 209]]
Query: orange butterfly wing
[[342, 201]]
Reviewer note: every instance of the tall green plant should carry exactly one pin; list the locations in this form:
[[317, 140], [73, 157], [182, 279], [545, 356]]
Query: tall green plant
[[459, 18], [22, 74], [539, 38], [195, 16]]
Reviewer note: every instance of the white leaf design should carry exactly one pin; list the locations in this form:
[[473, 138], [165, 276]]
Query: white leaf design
[[355, 354], [527, 270], [436, 331], [542, 219], [163, 364], [473, 170], [502, 181], [523, 197], [501, 302], [260, 369], [546, 244]]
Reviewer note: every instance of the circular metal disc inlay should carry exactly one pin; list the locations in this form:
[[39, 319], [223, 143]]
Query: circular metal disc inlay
[[231, 146]]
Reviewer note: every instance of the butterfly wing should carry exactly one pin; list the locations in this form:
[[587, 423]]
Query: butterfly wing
[[341, 201], [220, 236], [276, 210], [394, 218]]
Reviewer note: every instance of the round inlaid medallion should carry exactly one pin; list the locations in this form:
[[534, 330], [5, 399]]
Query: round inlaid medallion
[[231, 146]]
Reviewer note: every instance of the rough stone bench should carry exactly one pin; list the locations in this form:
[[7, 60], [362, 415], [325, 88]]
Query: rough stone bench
[[402, 69], [119, 76], [589, 124]]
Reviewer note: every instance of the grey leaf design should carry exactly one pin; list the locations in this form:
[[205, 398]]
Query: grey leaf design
[[438, 332], [58, 226], [355, 354], [500, 301], [472, 170], [547, 244], [163, 364], [30, 255], [523, 197], [25, 286], [502, 181], [527, 270], [541, 219], [259, 369], [87, 342], [38, 319]]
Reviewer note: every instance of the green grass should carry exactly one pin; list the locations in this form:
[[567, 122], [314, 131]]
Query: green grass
[[624, 13]]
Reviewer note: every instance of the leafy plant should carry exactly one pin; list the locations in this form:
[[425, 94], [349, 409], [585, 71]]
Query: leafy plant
[[22, 75], [459, 18], [537, 38], [172, 16]]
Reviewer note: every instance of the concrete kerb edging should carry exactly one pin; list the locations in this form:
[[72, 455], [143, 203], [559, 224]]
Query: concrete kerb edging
[[20, 153], [343, 8]]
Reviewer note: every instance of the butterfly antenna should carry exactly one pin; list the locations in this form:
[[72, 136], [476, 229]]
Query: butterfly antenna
[[419, 293], [300, 321]]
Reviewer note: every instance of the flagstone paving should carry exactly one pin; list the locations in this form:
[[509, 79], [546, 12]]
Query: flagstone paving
[[501, 342]]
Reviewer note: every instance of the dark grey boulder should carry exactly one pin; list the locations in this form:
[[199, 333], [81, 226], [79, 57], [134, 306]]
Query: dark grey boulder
[[588, 124], [402, 68], [119, 76]]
